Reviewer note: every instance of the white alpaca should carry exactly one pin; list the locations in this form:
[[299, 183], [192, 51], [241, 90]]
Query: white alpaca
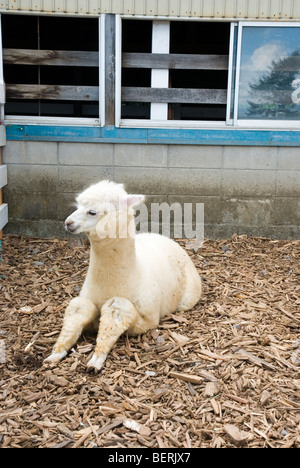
[[132, 280]]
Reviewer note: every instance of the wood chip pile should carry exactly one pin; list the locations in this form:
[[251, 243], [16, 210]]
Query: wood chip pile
[[225, 374]]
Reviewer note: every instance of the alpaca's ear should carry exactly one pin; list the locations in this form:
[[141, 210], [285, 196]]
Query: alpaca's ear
[[135, 199], [131, 200]]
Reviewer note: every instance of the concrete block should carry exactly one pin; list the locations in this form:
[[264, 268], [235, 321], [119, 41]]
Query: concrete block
[[85, 154], [248, 212], [30, 152], [289, 159], [287, 211], [288, 183], [77, 178], [195, 156], [66, 205], [140, 155], [213, 206], [224, 231], [204, 182], [144, 212], [145, 180], [44, 228], [237, 183], [32, 206], [250, 157], [32, 178]]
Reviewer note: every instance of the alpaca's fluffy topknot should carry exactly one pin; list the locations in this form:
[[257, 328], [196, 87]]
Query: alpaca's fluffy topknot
[[105, 191]]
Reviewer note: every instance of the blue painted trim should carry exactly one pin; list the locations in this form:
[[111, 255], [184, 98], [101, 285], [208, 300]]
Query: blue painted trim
[[228, 136]]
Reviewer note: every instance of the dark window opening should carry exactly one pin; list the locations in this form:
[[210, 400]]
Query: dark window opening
[[202, 39], [136, 38], [66, 82], [187, 37], [198, 79]]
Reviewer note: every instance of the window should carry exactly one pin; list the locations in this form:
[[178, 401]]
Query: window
[[267, 89], [51, 66], [151, 73], [195, 73], [174, 71]]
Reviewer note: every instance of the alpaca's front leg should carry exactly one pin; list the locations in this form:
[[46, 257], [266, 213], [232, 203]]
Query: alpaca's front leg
[[79, 313], [117, 315]]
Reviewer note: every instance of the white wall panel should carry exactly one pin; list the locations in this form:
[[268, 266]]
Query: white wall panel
[[241, 9], [3, 176], [219, 8], [151, 7], [139, 7], [287, 9], [3, 215], [128, 6], [296, 9], [207, 8], [49, 5], [196, 8]]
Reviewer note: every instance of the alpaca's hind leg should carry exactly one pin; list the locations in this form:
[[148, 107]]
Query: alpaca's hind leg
[[117, 316], [79, 314], [193, 289]]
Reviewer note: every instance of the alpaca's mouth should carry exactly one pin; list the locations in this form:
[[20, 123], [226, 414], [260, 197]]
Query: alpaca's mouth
[[71, 228]]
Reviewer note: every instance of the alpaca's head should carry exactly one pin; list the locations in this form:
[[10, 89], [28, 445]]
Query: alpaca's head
[[99, 202]]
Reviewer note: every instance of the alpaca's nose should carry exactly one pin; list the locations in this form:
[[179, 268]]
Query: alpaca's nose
[[70, 225]]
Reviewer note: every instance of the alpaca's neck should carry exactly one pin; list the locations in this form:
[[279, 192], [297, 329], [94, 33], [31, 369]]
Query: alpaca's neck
[[111, 256]]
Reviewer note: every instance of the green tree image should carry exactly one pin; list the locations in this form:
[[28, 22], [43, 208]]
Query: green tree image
[[273, 95]]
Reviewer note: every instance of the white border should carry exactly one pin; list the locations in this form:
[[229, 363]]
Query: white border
[[55, 121], [237, 74], [230, 72], [176, 124]]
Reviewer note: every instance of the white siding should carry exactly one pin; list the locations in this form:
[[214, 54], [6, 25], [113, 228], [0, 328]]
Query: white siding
[[3, 215], [240, 9], [3, 176]]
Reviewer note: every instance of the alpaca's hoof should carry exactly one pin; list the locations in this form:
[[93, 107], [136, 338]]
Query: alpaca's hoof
[[55, 357], [95, 364]]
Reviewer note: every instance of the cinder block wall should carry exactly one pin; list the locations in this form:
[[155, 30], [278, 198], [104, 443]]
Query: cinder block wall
[[245, 190]]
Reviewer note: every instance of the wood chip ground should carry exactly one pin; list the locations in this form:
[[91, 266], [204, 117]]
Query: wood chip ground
[[225, 374]]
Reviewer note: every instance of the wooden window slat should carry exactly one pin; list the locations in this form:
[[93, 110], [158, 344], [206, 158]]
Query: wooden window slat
[[175, 95], [52, 92], [175, 61], [65, 58]]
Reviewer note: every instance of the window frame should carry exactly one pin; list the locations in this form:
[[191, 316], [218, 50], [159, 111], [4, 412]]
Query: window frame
[[149, 123], [257, 124], [66, 121]]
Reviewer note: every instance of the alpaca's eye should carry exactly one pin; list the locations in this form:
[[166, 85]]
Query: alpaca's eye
[[92, 213]]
